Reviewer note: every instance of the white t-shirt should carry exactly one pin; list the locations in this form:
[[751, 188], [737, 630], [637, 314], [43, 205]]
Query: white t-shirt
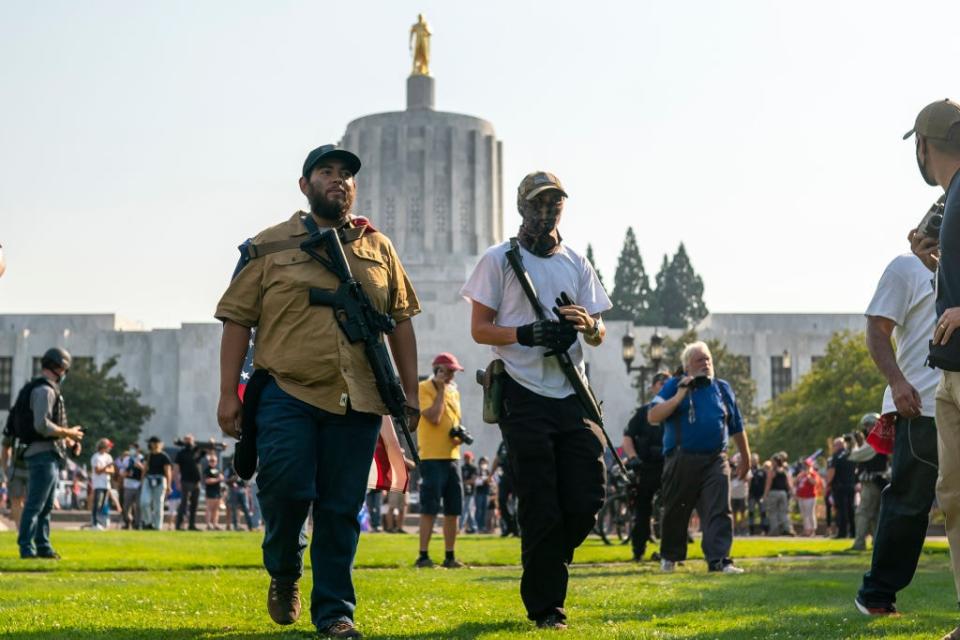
[[905, 295], [100, 480], [494, 284], [739, 489]]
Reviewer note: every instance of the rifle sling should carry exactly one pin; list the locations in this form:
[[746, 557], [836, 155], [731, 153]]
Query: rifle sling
[[254, 251]]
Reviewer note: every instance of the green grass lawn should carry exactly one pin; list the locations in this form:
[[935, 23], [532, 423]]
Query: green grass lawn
[[210, 585]]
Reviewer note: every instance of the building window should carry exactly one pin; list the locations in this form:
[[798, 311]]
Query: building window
[[6, 382], [780, 376], [37, 367]]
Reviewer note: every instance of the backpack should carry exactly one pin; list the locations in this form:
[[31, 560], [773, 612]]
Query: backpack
[[20, 419]]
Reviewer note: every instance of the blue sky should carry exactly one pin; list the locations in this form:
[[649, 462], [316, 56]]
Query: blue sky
[[141, 142]]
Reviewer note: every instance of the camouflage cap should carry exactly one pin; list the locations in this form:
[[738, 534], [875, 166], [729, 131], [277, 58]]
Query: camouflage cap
[[939, 120], [536, 183]]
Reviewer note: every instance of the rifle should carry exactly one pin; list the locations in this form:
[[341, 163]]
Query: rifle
[[588, 400], [360, 322]]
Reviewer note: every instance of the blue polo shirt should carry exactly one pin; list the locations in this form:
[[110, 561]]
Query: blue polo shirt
[[948, 275], [710, 430]]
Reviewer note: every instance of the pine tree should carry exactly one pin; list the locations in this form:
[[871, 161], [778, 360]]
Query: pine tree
[[679, 299], [631, 286], [594, 265]]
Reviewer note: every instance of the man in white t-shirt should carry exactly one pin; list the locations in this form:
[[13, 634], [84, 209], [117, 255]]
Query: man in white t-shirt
[[101, 468], [903, 308], [555, 455]]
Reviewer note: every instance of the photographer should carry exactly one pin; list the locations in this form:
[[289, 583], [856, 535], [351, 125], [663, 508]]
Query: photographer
[[643, 447], [937, 130], [699, 413], [439, 437]]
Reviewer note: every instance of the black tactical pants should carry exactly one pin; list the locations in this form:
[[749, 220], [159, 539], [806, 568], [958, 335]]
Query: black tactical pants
[[558, 472], [647, 485], [904, 512]]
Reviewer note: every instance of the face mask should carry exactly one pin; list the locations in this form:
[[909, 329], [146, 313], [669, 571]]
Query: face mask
[[63, 376]]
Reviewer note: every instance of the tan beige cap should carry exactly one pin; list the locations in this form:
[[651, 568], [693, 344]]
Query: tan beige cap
[[939, 120], [533, 184]]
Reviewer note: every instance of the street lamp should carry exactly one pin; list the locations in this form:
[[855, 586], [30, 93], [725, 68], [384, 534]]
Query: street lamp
[[629, 354]]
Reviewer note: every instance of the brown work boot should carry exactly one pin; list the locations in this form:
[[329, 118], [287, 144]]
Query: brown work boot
[[283, 600], [339, 629]]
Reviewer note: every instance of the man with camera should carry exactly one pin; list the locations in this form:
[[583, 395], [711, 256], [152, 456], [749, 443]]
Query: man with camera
[[700, 414], [937, 132], [903, 312], [555, 453], [315, 405], [643, 448], [39, 420], [439, 436]]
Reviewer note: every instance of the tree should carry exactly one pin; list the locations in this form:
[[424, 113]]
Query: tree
[[631, 286], [826, 402], [103, 404], [733, 368], [594, 265], [679, 297]]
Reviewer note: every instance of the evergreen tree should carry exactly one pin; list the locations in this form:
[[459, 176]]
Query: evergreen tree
[[594, 265], [631, 286], [679, 299], [104, 405]]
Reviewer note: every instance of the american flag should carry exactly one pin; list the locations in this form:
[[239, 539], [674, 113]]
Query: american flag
[[388, 471]]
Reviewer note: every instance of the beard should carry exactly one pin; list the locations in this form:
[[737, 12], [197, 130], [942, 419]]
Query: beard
[[329, 209]]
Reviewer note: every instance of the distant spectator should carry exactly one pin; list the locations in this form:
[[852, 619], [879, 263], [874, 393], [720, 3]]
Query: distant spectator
[[213, 491], [130, 468], [482, 492], [777, 496], [374, 501], [841, 483], [158, 470], [237, 499], [756, 513], [101, 468], [397, 506], [873, 475], [809, 486], [14, 468], [468, 474], [506, 497], [739, 493], [188, 475]]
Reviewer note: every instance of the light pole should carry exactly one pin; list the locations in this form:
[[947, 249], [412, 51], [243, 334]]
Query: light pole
[[629, 353]]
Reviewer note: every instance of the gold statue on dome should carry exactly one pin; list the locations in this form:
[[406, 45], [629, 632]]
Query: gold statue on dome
[[420, 45]]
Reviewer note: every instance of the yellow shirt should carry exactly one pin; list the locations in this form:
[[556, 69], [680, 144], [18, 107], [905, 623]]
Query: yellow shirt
[[301, 345], [433, 438]]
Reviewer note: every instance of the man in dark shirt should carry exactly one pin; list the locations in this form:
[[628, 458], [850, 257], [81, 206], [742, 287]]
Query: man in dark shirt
[[755, 509], [506, 498], [841, 483], [468, 473], [937, 130], [188, 468], [643, 446]]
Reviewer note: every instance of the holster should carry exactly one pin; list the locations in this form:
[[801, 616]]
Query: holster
[[491, 379], [945, 357], [245, 454]]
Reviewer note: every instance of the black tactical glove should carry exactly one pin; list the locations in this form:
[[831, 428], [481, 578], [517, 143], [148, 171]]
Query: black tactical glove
[[555, 336]]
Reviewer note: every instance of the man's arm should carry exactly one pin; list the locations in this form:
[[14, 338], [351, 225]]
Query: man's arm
[[629, 450], [233, 349], [484, 331], [744, 448], [905, 397], [434, 412], [42, 401], [403, 345], [660, 411]]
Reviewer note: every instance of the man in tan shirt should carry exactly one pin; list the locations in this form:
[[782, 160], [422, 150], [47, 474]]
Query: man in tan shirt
[[319, 414]]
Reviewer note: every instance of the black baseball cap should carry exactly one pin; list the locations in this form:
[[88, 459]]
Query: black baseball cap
[[323, 152]]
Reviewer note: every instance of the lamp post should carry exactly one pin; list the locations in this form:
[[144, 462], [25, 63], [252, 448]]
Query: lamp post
[[629, 353]]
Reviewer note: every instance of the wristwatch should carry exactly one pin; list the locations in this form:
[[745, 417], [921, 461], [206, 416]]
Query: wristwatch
[[595, 334]]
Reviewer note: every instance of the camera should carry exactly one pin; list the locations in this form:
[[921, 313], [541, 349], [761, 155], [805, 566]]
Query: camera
[[930, 225], [698, 382], [202, 446], [460, 431]]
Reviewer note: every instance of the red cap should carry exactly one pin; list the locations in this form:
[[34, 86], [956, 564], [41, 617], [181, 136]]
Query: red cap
[[447, 360]]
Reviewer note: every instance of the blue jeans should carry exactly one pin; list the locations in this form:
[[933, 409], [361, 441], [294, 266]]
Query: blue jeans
[[468, 521], [308, 455], [34, 535], [151, 501]]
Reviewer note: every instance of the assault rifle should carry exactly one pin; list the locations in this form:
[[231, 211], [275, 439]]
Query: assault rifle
[[360, 322], [588, 400]]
